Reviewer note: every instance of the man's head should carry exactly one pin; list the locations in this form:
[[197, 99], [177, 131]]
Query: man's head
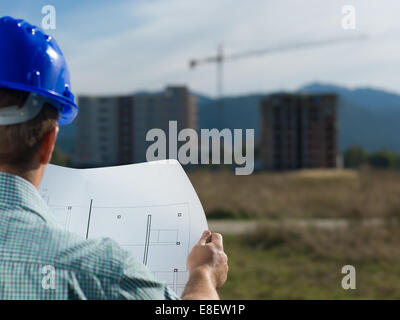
[[28, 146], [35, 97]]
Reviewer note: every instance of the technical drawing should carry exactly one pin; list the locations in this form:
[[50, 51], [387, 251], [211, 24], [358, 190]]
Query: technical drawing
[[150, 209], [62, 214], [147, 241], [175, 279], [152, 234], [70, 216]]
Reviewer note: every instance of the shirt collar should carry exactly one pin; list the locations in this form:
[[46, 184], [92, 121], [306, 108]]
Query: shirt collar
[[18, 192]]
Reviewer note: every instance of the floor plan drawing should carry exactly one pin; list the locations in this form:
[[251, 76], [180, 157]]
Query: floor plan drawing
[[146, 233], [150, 209], [69, 214]]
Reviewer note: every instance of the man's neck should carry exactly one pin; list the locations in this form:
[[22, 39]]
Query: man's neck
[[34, 176]]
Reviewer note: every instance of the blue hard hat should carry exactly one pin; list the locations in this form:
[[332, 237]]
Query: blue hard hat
[[32, 61]]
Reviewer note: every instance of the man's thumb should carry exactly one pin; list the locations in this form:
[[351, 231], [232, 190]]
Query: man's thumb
[[203, 240]]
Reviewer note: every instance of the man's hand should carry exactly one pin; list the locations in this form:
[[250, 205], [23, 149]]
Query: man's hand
[[208, 256], [208, 267]]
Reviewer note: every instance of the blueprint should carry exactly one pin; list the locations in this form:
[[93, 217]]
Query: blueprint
[[151, 209]]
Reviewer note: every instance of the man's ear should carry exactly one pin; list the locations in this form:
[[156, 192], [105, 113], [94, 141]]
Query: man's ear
[[49, 141]]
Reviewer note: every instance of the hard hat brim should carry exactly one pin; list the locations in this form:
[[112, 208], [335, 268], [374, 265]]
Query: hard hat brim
[[68, 111]]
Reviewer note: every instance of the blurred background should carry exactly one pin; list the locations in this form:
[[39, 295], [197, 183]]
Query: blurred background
[[323, 98]]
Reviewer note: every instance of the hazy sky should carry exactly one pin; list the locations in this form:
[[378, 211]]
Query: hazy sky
[[122, 46]]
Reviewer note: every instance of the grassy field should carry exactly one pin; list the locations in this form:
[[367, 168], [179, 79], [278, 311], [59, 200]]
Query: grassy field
[[299, 194], [283, 264], [305, 263]]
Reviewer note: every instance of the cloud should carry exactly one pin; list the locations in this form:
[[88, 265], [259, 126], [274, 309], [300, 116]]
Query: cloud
[[127, 46]]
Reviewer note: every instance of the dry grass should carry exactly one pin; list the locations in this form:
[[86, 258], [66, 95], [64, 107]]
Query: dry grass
[[305, 263], [300, 194], [353, 244], [301, 266], [281, 260]]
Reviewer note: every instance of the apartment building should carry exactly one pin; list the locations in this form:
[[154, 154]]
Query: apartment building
[[298, 131], [111, 130]]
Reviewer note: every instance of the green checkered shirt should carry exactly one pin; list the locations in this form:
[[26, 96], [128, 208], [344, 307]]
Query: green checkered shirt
[[38, 260]]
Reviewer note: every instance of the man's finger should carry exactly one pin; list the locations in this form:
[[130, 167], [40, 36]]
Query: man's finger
[[216, 238], [203, 240]]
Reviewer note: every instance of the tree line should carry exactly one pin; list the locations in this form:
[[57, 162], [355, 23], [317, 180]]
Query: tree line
[[356, 156]]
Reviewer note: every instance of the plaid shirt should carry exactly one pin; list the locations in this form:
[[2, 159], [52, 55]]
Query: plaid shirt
[[38, 260]]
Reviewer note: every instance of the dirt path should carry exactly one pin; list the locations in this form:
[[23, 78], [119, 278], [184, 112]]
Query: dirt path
[[246, 226]]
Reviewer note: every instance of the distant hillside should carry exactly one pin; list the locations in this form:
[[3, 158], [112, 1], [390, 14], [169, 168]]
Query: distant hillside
[[367, 117], [240, 112], [371, 99]]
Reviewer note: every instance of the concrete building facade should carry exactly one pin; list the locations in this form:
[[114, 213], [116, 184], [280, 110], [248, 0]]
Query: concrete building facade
[[112, 130], [298, 131], [156, 110]]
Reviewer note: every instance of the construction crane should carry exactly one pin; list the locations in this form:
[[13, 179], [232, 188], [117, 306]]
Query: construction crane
[[220, 58]]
